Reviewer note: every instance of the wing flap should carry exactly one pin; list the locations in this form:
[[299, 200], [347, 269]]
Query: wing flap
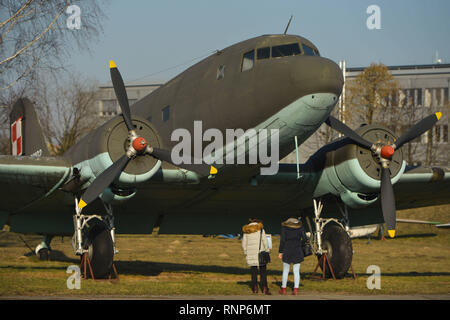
[[422, 187]]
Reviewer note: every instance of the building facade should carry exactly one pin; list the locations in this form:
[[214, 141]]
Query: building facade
[[424, 90], [107, 104]]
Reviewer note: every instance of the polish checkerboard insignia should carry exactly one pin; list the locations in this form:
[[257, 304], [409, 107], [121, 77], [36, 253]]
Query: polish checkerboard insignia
[[16, 137]]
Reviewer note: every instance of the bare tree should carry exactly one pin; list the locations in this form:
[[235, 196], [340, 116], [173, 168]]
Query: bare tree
[[67, 112], [35, 36], [35, 39], [6, 104], [438, 134]]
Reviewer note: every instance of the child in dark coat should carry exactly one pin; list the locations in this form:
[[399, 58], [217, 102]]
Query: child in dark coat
[[292, 236]]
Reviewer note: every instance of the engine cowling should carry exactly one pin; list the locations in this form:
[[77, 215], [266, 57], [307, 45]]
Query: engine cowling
[[100, 149], [354, 173]]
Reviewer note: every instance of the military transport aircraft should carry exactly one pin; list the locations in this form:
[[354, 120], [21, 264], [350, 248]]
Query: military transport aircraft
[[268, 82]]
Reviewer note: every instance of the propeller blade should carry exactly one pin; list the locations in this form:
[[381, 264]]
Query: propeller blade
[[418, 129], [121, 94], [103, 181], [346, 131], [388, 201], [203, 169]]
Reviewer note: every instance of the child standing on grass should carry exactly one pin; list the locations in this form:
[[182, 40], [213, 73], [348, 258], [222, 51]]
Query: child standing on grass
[[292, 236]]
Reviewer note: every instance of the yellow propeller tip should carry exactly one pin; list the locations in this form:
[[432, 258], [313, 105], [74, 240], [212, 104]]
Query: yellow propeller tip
[[112, 64], [82, 204], [391, 233], [438, 115], [213, 170]]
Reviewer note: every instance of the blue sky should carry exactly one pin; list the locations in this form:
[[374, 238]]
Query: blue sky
[[145, 37]]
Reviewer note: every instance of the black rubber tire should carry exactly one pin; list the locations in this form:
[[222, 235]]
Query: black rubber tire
[[44, 254], [101, 252], [340, 251]]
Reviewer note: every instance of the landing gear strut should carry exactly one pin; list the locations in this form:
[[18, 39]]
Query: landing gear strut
[[43, 249], [94, 236], [330, 236]]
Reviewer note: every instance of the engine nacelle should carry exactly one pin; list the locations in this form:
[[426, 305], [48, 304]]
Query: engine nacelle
[[100, 149], [354, 173]]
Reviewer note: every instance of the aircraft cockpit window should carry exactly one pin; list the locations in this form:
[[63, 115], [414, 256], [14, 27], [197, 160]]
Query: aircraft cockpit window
[[309, 51], [248, 61], [263, 53], [285, 50]]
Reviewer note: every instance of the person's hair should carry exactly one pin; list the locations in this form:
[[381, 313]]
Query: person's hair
[[251, 220]]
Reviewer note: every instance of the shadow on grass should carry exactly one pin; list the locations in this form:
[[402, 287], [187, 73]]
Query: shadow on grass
[[416, 235], [148, 268], [155, 268], [401, 236]]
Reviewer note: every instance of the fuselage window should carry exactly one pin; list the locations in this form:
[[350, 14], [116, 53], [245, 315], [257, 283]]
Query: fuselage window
[[285, 50], [263, 53], [165, 113], [220, 72], [308, 50], [248, 61]]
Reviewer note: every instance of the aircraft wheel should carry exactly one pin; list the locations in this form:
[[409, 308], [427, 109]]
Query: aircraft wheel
[[340, 251], [101, 251]]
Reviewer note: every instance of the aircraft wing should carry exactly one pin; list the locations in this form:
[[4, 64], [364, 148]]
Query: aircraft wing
[[186, 207], [422, 187], [30, 178]]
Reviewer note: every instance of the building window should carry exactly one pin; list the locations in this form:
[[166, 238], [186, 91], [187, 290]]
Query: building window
[[248, 61], [220, 72], [437, 133], [410, 97], [109, 107], [263, 53], [419, 97], [165, 113], [441, 133]]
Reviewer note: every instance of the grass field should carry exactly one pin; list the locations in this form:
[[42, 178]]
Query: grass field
[[416, 262]]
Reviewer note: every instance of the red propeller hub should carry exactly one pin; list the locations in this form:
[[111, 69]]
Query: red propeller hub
[[139, 144], [387, 152]]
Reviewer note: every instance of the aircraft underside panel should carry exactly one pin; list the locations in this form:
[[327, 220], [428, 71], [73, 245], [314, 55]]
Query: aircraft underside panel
[[211, 207]]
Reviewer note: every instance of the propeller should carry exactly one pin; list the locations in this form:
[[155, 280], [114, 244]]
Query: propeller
[[138, 147], [385, 153]]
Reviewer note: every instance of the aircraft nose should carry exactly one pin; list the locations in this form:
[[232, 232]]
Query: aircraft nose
[[316, 74]]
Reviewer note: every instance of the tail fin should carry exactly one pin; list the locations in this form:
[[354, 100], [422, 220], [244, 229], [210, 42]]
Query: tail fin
[[27, 137]]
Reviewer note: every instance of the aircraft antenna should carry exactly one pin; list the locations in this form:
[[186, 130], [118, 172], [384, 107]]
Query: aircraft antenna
[[287, 27]]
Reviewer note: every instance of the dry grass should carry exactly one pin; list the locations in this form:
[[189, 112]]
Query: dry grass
[[416, 262]]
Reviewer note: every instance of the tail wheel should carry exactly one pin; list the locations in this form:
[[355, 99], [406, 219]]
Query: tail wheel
[[339, 248], [101, 251]]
